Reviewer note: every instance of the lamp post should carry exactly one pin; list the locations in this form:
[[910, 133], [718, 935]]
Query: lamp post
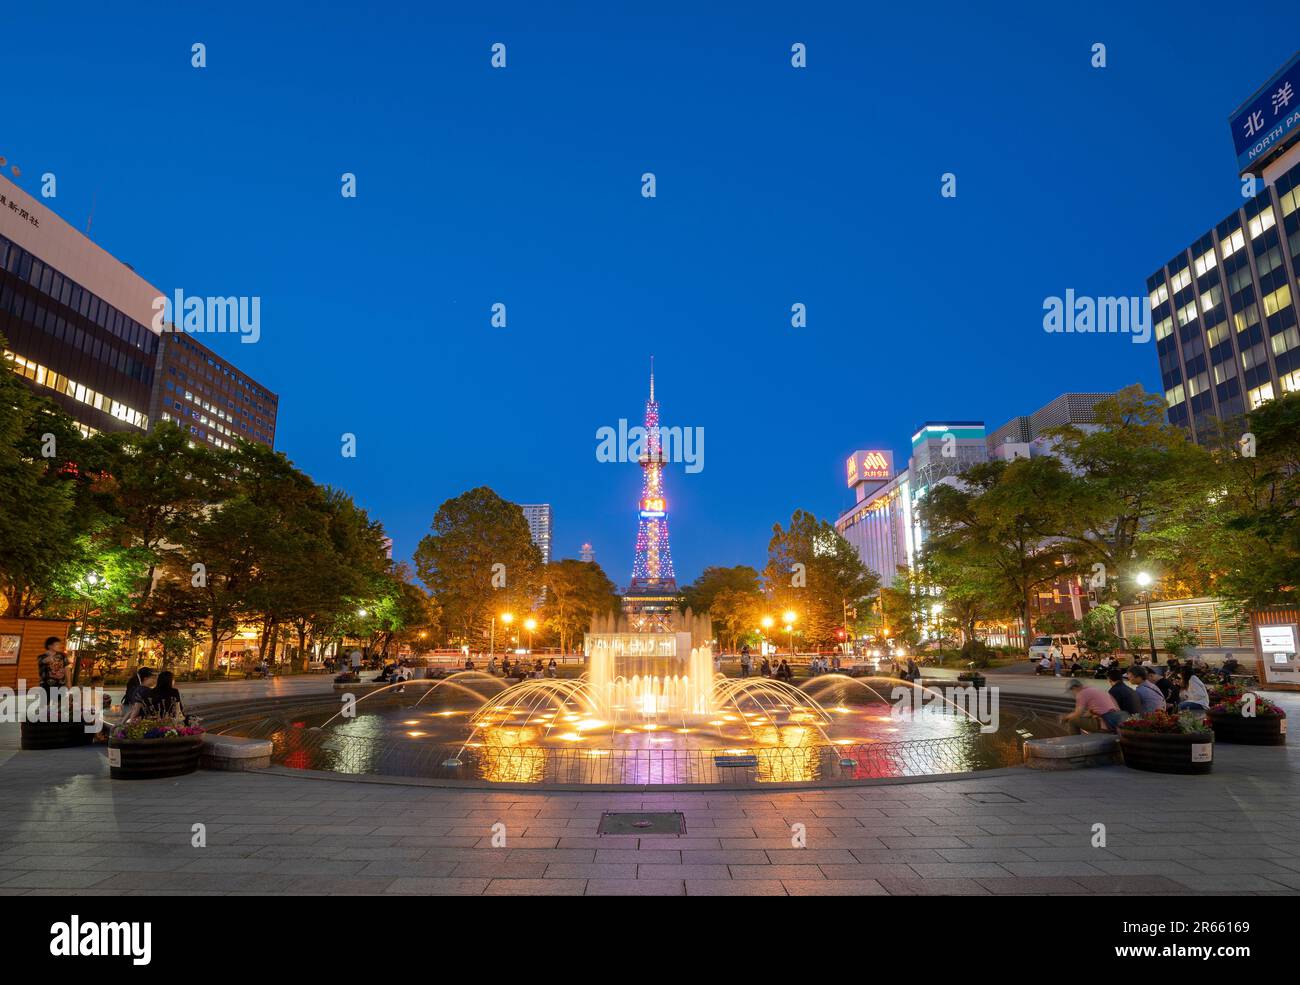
[[790, 616], [507, 618], [1145, 581], [92, 579], [530, 624], [767, 622]]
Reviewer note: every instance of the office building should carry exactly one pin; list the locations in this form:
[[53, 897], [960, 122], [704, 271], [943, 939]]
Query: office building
[[1026, 437], [1224, 308], [538, 516], [79, 325]]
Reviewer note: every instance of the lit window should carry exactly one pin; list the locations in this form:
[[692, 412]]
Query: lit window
[[1260, 395], [1279, 299], [1285, 341], [1262, 222], [1181, 279], [1290, 201], [1186, 314], [1174, 396], [1211, 297], [1224, 371], [1206, 261], [1159, 295], [1232, 244], [1164, 328]]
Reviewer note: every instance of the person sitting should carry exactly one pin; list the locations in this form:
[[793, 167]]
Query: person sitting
[[138, 691], [1230, 666], [1148, 693], [1125, 697], [1044, 665], [492, 665], [765, 668], [165, 699], [1196, 697], [505, 666], [1094, 709], [552, 669]]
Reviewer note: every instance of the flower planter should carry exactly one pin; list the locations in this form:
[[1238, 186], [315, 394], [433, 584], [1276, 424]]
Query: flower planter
[[1259, 730], [54, 735], [147, 759], [1167, 752]]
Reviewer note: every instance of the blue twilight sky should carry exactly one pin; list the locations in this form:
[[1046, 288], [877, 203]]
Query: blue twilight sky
[[522, 186]]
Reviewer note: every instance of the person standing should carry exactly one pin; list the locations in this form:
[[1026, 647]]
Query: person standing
[[1055, 654], [53, 665], [744, 662]]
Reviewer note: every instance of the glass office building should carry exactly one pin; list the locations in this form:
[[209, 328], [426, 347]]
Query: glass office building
[[78, 327], [1224, 311]]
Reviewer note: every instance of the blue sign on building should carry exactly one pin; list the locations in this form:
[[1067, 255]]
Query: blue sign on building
[[1269, 119]]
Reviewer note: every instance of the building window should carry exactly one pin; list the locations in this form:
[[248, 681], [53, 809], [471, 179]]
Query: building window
[[1260, 395], [1174, 396], [1279, 299], [1160, 295], [1232, 244], [1262, 222], [1206, 261], [1285, 341]]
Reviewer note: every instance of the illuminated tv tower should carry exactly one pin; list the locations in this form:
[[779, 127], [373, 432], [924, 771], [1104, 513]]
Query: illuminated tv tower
[[653, 566]]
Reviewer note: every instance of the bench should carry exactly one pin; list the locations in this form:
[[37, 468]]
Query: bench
[[234, 752], [1072, 752]]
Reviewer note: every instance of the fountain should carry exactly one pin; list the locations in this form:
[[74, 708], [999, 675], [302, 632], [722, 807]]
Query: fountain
[[649, 676]]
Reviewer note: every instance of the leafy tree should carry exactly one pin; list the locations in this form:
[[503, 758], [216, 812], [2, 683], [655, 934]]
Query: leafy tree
[[737, 612], [998, 521], [575, 592], [698, 595], [471, 534], [1126, 476], [47, 505], [1097, 630], [815, 572]]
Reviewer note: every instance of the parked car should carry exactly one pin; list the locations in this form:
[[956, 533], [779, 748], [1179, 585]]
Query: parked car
[[1042, 645]]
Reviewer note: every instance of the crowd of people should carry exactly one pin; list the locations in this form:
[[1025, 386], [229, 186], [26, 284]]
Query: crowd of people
[[1139, 690]]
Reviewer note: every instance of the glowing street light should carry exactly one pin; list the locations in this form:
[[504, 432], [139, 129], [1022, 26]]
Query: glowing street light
[[790, 616], [1145, 581], [507, 618], [530, 624]]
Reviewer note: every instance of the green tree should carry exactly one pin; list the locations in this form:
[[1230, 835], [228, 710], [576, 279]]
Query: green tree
[[816, 573], [1126, 477], [575, 592], [479, 560], [999, 521]]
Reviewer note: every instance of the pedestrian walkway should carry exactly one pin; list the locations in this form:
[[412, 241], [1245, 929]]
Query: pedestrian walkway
[[66, 828]]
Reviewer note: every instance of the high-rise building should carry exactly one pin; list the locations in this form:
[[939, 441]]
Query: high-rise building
[[538, 516], [1224, 308], [80, 329], [653, 592]]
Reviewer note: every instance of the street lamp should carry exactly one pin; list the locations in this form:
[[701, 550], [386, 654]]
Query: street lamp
[[92, 579], [530, 624], [790, 616], [1145, 581], [766, 624], [507, 618]]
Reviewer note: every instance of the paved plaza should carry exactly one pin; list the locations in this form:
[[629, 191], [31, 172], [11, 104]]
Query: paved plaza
[[66, 828]]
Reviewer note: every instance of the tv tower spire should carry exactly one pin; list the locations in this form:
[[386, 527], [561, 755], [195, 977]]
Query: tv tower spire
[[653, 565]]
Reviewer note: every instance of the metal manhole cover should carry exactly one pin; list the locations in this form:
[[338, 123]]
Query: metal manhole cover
[[993, 797], [642, 823]]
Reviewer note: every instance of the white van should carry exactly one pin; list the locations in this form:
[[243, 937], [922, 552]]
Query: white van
[[1042, 645]]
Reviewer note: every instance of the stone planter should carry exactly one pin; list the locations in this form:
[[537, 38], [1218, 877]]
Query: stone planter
[[1167, 752], [1260, 730], [148, 759], [54, 735]]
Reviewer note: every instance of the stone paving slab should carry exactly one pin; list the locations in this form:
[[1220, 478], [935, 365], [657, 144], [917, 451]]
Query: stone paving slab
[[66, 828]]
